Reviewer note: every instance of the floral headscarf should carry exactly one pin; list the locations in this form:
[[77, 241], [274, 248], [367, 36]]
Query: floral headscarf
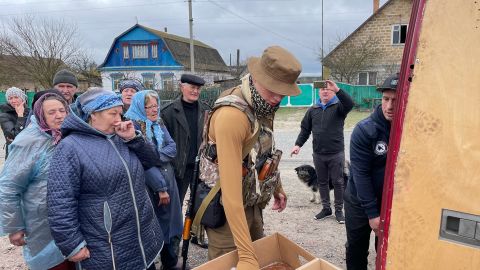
[[40, 116]]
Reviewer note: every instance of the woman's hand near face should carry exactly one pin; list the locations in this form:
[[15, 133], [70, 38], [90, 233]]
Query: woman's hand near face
[[125, 130], [20, 109]]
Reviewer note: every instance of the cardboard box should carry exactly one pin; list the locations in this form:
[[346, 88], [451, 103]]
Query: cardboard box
[[270, 249]]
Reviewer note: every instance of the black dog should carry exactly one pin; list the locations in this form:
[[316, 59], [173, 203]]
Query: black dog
[[308, 176]]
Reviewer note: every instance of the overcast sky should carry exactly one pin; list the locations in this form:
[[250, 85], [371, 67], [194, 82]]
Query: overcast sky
[[227, 25]]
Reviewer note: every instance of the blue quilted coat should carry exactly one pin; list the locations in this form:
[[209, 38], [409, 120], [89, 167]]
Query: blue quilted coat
[[97, 197]]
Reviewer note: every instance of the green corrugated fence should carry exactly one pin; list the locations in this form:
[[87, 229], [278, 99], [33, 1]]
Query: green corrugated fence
[[365, 97]]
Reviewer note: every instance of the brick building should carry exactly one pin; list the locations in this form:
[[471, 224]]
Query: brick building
[[383, 34]]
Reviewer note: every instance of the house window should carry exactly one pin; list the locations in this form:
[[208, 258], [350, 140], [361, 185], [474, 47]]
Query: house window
[[399, 34], [149, 80], [167, 81], [116, 78], [367, 78], [154, 50], [125, 52], [139, 51]]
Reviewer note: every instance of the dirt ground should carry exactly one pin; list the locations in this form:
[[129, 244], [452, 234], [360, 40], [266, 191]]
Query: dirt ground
[[324, 239]]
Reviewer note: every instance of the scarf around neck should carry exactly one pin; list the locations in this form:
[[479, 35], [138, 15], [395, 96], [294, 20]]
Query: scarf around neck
[[260, 106]]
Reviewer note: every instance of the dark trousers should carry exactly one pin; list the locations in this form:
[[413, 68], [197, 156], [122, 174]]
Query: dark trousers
[[330, 166], [184, 183], [358, 234], [168, 256]]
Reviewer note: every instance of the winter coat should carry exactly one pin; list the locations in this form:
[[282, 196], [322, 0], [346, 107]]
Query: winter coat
[[97, 197], [23, 196], [368, 156], [176, 123], [326, 124], [11, 124], [162, 178]]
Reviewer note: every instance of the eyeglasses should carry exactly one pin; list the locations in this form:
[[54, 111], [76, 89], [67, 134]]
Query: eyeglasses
[[151, 107]]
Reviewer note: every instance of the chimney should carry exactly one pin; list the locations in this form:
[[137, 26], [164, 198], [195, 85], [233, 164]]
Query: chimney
[[165, 29], [376, 5]]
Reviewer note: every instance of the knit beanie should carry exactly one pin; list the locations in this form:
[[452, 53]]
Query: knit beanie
[[65, 76], [15, 92]]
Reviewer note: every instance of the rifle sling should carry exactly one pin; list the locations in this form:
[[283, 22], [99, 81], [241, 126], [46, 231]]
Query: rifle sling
[[198, 216]]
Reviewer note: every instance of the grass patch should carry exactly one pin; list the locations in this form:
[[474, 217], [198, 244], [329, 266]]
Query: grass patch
[[295, 115]]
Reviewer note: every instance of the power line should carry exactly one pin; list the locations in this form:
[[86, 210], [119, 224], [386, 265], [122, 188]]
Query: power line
[[261, 27], [86, 9]]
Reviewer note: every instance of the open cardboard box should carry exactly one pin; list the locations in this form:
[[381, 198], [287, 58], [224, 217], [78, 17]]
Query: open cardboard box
[[270, 249]]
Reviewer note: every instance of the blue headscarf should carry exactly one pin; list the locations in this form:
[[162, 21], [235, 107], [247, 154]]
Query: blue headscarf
[[137, 112], [95, 100]]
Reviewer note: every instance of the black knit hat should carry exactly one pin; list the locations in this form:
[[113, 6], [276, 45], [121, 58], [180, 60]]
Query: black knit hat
[[65, 76]]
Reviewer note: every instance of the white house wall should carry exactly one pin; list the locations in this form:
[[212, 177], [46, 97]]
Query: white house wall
[[209, 77]]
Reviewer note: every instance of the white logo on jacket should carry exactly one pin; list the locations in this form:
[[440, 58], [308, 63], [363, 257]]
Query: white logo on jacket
[[381, 148]]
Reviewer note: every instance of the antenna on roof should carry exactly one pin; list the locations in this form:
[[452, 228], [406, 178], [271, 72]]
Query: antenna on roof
[[136, 20]]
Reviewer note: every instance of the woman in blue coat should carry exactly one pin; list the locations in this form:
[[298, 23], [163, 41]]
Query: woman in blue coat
[[98, 207], [145, 111], [23, 185]]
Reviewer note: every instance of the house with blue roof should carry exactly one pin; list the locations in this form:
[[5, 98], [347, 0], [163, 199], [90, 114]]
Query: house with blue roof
[[158, 59]]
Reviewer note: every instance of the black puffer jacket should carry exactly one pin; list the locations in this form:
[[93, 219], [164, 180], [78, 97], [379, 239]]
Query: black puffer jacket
[[11, 124]]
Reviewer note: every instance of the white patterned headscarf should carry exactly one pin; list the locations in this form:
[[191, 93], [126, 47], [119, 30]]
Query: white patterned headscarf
[[15, 92]]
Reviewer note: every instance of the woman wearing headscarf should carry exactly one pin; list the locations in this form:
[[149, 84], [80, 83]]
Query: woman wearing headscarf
[[23, 186], [37, 96], [98, 207], [127, 89], [13, 115], [163, 190]]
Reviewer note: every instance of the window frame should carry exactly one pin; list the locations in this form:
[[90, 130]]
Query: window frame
[[136, 51], [399, 32], [149, 76], [368, 78], [154, 50], [126, 52]]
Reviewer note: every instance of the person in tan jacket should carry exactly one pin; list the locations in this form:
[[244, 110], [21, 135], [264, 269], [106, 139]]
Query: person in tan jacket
[[244, 138]]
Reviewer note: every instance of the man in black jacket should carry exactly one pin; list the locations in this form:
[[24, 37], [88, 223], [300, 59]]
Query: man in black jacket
[[363, 195], [325, 120], [184, 119]]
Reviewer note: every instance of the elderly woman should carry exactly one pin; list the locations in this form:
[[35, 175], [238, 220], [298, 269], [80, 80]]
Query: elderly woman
[[98, 207], [128, 88], [13, 115], [145, 111], [23, 186]]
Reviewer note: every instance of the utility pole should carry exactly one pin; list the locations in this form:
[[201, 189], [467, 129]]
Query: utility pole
[[192, 54], [322, 42]]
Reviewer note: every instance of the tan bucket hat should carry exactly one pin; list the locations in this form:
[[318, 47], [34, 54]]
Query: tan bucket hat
[[277, 70]]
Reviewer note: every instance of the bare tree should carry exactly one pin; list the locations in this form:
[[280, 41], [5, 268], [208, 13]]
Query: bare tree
[[351, 58], [40, 46], [86, 69]]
